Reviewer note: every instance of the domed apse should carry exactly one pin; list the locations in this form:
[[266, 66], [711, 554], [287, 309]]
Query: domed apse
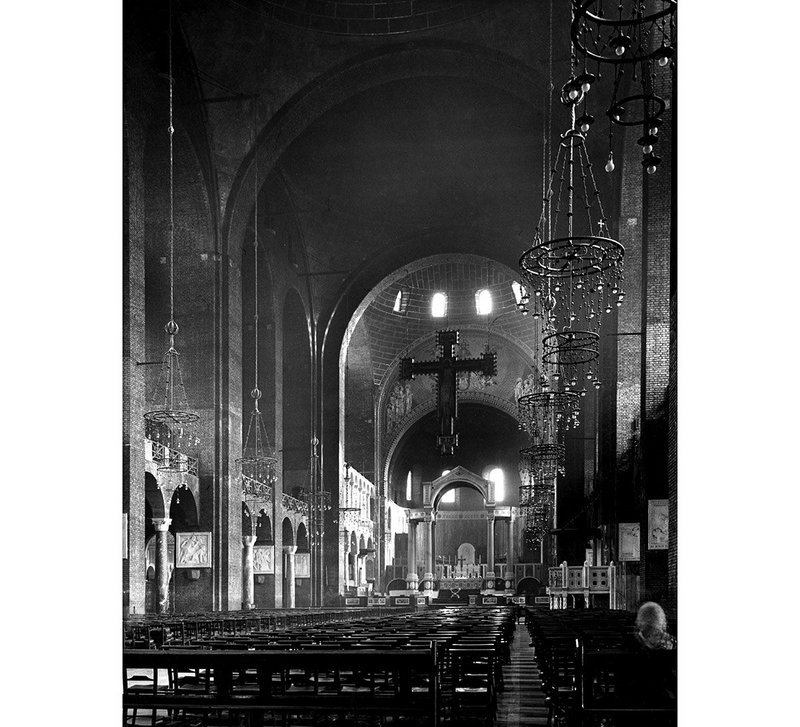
[[487, 438]]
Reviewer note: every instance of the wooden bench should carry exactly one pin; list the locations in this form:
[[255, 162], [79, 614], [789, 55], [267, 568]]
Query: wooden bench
[[628, 687], [336, 680]]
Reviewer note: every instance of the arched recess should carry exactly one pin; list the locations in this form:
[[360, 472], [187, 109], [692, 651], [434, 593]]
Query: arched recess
[[296, 392], [287, 532], [183, 511], [264, 528], [302, 538], [153, 504]]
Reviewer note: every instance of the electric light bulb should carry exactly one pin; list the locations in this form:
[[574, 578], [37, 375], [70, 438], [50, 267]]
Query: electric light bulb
[[608, 309], [584, 127], [663, 61], [573, 93], [653, 130], [589, 375], [610, 162], [651, 169], [619, 50], [585, 86], [647, 148], [556, 288], [619, 303], [615, 290]]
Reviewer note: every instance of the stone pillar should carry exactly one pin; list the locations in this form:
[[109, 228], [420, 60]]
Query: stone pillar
[[490, 544], [248, 599], [510, 545], [429, 535], [288, 595], [412, 578], [162, 563]]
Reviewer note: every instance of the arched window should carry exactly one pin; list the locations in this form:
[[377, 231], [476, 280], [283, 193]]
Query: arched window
[[450, 495], [483, 302], [499, 479], [401, 301], [408, 486], [439, 305]]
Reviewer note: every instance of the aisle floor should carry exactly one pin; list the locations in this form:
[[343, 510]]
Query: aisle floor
[[522, 700]]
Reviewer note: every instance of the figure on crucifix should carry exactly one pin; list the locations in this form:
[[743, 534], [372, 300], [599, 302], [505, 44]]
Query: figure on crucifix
[[446, 369]]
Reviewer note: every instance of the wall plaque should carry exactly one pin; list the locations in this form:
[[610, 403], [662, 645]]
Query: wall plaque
[[402, 601], [629, 534], [302, 565], [657, 524], [264, 559], [192, 550]]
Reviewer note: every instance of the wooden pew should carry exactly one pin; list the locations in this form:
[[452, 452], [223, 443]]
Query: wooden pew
[[628, 687], [411, 692]]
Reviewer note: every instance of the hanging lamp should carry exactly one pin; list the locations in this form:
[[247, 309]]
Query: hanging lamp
[[170, 421], [258, 461]]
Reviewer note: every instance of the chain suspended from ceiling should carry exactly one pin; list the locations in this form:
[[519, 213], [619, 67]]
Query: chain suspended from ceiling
[[258, 461], [170, 421]]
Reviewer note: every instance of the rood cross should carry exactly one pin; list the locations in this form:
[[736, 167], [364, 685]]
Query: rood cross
[[446, 369]]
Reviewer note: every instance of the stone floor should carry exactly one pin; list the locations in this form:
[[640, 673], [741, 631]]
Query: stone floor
[[522, 700]]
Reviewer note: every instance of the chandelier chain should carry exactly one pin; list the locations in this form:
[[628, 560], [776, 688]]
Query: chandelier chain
[[255, 239], [171, 130]]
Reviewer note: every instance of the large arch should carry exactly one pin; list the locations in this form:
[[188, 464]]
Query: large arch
[[373, 68], [457, 477]]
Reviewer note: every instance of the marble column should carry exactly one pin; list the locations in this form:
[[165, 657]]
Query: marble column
[[412, 578], [490, 544], [162, 563], [429, 540], [248, 598], [288, 594]]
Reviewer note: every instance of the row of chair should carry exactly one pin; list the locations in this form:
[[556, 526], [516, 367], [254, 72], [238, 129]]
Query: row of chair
[[593, 670], [156, 630], [450, 660]]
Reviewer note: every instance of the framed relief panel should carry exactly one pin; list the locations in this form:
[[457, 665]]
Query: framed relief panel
[[264, 559], [192, 550]]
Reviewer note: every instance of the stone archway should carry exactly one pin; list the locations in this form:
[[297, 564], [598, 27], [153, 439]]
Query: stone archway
[[459, 476]]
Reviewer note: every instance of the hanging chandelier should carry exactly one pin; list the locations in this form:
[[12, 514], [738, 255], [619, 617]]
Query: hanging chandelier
[[546, 415], [537, 506], [258, 461], [541, 461], [170, 421], [638, 38], [574, 269]]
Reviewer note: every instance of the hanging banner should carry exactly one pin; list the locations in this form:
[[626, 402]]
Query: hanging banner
[[629, 535], [264, 559], [302, 565], [657, 524]]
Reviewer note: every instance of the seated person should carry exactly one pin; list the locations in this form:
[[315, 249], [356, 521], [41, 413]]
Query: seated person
[[651, 628]]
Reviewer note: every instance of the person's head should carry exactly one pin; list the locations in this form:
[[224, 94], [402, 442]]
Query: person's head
[[651, 618]]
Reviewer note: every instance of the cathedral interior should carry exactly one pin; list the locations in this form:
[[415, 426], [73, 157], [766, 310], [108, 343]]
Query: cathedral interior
[[399, 384], [324, 194]]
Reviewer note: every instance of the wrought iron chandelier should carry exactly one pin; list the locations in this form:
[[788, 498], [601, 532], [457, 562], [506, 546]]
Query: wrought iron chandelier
[[170, 421], [574, 269], [638, 37], [258, 460], [541, 461], [546, 415]]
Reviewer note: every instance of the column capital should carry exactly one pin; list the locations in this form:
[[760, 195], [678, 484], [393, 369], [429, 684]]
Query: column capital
[[162, 524], [289, 549], [248, 541]]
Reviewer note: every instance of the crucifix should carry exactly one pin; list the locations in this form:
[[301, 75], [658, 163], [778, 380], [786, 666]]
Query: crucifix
[[446, 369]]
